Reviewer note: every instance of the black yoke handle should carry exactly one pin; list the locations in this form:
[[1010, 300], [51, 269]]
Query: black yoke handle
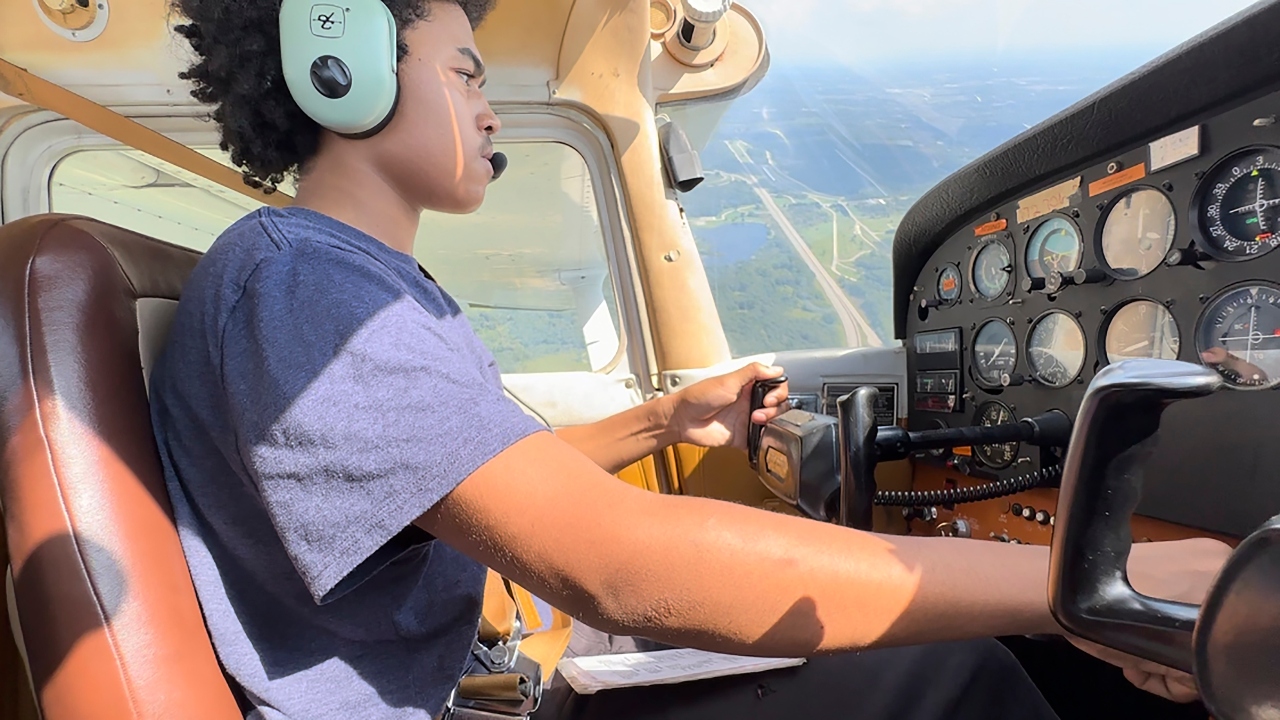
[[858, 456], [1114, 434]]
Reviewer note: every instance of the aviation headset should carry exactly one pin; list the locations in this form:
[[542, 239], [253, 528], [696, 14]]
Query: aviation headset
[[340, 65]]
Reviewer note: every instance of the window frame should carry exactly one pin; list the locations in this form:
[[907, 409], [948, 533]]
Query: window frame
[[32, 144]]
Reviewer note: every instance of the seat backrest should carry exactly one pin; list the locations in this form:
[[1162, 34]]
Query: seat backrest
[[106, 610]]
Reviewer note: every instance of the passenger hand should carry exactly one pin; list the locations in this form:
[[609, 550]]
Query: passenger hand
[[1181, 571], [714, 412]]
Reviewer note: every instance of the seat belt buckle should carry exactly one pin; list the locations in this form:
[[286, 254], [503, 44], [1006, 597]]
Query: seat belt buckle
[[515, 693], [499, 655]]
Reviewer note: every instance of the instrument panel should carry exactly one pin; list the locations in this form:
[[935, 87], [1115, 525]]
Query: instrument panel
[[1162, 251]]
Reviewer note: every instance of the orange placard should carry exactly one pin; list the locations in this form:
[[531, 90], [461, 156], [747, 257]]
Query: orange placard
[[1111, 182], [992, 227]]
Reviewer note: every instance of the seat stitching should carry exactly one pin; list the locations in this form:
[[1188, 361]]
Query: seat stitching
[[38, 411]]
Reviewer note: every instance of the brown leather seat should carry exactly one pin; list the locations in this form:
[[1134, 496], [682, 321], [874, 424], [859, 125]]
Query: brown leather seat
[[105, 605]]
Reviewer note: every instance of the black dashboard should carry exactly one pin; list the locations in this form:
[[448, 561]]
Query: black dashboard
[[1142, 223]]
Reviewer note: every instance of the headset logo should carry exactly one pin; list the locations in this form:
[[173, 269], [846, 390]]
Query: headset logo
[[328, 21]]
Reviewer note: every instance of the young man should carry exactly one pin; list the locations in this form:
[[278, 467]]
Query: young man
[[343, 463]]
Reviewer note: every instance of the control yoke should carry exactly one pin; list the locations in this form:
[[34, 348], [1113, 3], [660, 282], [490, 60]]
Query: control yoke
[[863, 445], [1114, 435]]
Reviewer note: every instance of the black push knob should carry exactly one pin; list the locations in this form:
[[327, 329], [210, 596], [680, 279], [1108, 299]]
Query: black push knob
[[1086, 277], [1028, 512], [1043, 517], [1012, 379], [1187, 256]]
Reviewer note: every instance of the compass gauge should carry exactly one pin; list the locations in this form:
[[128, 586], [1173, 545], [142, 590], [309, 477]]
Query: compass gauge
[[1237, 206]]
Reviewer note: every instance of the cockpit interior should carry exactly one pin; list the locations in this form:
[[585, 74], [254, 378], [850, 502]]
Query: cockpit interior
[[1081, 347]]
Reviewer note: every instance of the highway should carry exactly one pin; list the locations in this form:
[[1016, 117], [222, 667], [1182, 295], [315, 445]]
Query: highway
[[857, 331]]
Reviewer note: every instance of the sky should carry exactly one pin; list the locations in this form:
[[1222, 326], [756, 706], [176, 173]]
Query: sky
[[871, 32]]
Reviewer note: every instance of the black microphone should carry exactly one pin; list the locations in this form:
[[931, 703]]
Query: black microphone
[[499, 162]]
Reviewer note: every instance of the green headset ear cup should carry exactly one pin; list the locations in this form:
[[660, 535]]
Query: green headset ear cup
[[356, 38]]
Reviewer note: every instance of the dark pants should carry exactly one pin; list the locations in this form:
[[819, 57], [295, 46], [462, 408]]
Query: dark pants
[[975, 680]]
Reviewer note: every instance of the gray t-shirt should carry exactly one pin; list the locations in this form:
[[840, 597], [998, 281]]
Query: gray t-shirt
[[317, 393]]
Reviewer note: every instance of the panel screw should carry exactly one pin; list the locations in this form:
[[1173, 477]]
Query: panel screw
[[672, 256], [1101, 207], [1026, 229], [1113, 167], [1168, 303], [1103, 309], [1199, 174], [995, 217], [675, 381], [1078, 314], [1075, 213], [1202, 299], [1168, 186]]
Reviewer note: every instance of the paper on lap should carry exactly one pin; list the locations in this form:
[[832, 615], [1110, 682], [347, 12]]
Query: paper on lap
[[589, 675]]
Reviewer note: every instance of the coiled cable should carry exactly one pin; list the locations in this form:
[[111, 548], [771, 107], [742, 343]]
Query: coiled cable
[[978, 493]]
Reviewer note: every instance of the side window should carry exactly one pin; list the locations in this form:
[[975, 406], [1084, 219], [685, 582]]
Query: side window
[[529, 268]]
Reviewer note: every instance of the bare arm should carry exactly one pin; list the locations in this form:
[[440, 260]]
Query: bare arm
[[623, 439], [718, 576]]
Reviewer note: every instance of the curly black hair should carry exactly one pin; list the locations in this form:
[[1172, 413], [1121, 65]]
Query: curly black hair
[[239, 72]]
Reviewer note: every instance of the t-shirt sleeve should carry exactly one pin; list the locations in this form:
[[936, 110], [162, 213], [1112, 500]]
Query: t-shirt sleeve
[[355, 408]]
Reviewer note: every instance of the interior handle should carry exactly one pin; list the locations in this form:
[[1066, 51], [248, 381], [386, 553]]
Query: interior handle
[[858, 456], [1115, 432]]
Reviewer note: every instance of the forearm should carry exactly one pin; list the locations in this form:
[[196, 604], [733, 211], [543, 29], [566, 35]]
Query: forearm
[[625, 438], [737, 580], [715, 575]]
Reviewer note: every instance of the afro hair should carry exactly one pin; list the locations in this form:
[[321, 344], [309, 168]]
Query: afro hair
[[239, 72]]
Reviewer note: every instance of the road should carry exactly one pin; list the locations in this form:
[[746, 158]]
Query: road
[[857, 331]]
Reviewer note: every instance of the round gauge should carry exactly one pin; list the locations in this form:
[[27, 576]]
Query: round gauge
[[1138, 233], [1239, 336], [1000, 456], [1055, 349], [949, 283], [1237, 205], [1055, 246], [1142, 329], [992, 269], [995, 352]]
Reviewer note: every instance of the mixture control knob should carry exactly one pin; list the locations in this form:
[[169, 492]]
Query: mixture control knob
[[1043, 517]]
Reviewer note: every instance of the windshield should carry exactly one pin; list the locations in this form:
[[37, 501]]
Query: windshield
[[867, 104]]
